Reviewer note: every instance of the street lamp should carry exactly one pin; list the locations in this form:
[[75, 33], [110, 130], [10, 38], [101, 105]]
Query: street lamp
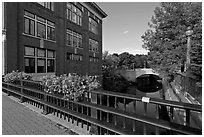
[[189, 32]]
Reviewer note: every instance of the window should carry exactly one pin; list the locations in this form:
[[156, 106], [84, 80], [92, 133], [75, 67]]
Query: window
[[50, 61], [29, 23], [74, 14], [79, 41], [50, 65], [93, 46], [29, 65], [93, 26], [41, 66], [74, 39], [44, 60], [48, 5], [45, 28], [50, 30], [75, 57]]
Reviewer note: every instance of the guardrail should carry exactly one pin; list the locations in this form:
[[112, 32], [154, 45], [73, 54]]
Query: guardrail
[[99, 110]]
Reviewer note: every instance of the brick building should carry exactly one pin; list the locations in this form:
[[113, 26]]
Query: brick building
[[52, 37]]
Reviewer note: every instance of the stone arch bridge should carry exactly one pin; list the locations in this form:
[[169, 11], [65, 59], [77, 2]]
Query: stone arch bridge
[[132, 75]]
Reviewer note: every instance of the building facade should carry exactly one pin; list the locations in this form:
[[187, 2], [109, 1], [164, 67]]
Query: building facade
[[52, 37]]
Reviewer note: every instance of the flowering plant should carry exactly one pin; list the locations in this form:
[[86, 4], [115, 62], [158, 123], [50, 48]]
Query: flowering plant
[[71, 86], [16, 76]]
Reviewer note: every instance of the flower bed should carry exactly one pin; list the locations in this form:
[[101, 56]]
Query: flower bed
[[16, 76], [70, 87]]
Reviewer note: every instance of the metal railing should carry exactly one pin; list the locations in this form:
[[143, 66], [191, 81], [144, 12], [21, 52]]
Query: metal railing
[[100, 113]]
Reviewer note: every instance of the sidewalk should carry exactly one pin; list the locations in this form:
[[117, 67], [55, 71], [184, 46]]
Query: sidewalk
[[20, 120]]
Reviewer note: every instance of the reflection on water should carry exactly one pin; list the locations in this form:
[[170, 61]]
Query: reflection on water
[[139, 107]]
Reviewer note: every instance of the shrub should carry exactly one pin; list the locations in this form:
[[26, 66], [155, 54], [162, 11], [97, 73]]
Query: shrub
[[16, 76], [72, 86], [114, 82]]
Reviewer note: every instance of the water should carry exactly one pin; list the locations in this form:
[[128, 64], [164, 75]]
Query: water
[[152, 89]]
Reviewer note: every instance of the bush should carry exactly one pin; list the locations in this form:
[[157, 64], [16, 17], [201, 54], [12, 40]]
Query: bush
[[72, 86], [16, 76]]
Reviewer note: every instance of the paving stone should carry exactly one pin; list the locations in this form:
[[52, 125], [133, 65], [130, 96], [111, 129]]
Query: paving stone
[[20, 120]]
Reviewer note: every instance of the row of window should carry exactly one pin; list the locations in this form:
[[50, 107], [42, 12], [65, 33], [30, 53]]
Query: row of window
[[48, 5], [38, 26], [39, 60], [74, 14], [93, 45], [75, 57], [93, 59], [79, 57], [74, 39]]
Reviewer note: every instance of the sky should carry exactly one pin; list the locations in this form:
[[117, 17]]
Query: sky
[[125, 24]]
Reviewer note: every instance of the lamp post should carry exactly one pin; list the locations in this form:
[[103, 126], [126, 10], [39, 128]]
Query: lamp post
[[189, 32]]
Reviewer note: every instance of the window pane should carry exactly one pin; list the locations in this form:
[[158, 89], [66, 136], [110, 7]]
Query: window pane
[[41, 66], [74, 9], [69, 56], [80, 21], [41, 30], [50, 54], [78, 12], [41, 19], [74, 17], [50, 33], [29, 51], [50, 23], [41, 53], [74, 41], [32, 27], [50, 65], [52, 6], [26, 27], [69, 39], [29, 14], [42, 3], [69, 5], [80, 42], [48, 5], [29, 65]]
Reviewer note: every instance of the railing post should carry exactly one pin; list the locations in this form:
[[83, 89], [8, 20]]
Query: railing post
[[45, 108], [187, 120], [7, 86], [22, 98], [94, 129]]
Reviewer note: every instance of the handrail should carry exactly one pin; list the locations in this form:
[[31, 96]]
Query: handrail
[[181, 105], [155, 122]]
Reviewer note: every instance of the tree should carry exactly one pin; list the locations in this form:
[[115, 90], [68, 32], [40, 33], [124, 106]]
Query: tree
[[109, 61], [166, 39]]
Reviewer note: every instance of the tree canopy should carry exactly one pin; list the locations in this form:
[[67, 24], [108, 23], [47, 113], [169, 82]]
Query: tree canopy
[[166, 39], [124, 60]]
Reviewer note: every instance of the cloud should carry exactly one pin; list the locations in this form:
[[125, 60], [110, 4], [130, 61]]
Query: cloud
[[125, 32]]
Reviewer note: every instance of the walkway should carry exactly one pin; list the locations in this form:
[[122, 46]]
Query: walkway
[[20, 120]]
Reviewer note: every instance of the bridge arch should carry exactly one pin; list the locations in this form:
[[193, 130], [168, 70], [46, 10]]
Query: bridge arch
[[145, 71]]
